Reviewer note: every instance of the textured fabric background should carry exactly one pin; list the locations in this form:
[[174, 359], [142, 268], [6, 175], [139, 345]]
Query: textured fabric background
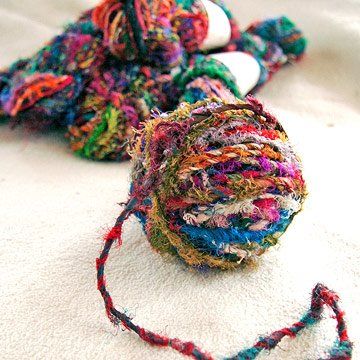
[[56, 207]]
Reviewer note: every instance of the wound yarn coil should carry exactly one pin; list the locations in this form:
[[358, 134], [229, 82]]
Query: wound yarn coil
[[216, 183]]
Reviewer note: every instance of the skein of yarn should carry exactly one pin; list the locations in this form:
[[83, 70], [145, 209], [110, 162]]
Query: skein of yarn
[[110, 110], [75, 81], [123, 97], [216, 184]]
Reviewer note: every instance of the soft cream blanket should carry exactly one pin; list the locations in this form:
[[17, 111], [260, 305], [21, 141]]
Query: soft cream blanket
[[56, 207]]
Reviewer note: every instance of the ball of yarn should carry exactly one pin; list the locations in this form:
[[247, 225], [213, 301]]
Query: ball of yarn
[[282, 31], [218, 182]]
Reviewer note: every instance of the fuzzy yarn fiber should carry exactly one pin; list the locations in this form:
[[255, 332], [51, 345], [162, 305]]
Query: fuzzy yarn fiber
[[216, 184]]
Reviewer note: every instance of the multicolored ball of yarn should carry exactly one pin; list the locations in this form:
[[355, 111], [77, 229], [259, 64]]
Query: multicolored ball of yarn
[[215, 183]]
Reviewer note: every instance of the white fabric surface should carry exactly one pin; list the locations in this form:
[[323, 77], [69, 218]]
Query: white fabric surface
[[55, 208]]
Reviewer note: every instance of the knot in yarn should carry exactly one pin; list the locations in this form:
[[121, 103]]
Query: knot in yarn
[[218, 182]]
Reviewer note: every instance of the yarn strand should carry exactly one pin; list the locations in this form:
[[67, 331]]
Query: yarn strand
[[321, 297], [117, 317], [113, 236]]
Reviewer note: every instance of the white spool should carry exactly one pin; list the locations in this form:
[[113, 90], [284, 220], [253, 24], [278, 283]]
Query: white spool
[[219, 32], [244, 67]]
